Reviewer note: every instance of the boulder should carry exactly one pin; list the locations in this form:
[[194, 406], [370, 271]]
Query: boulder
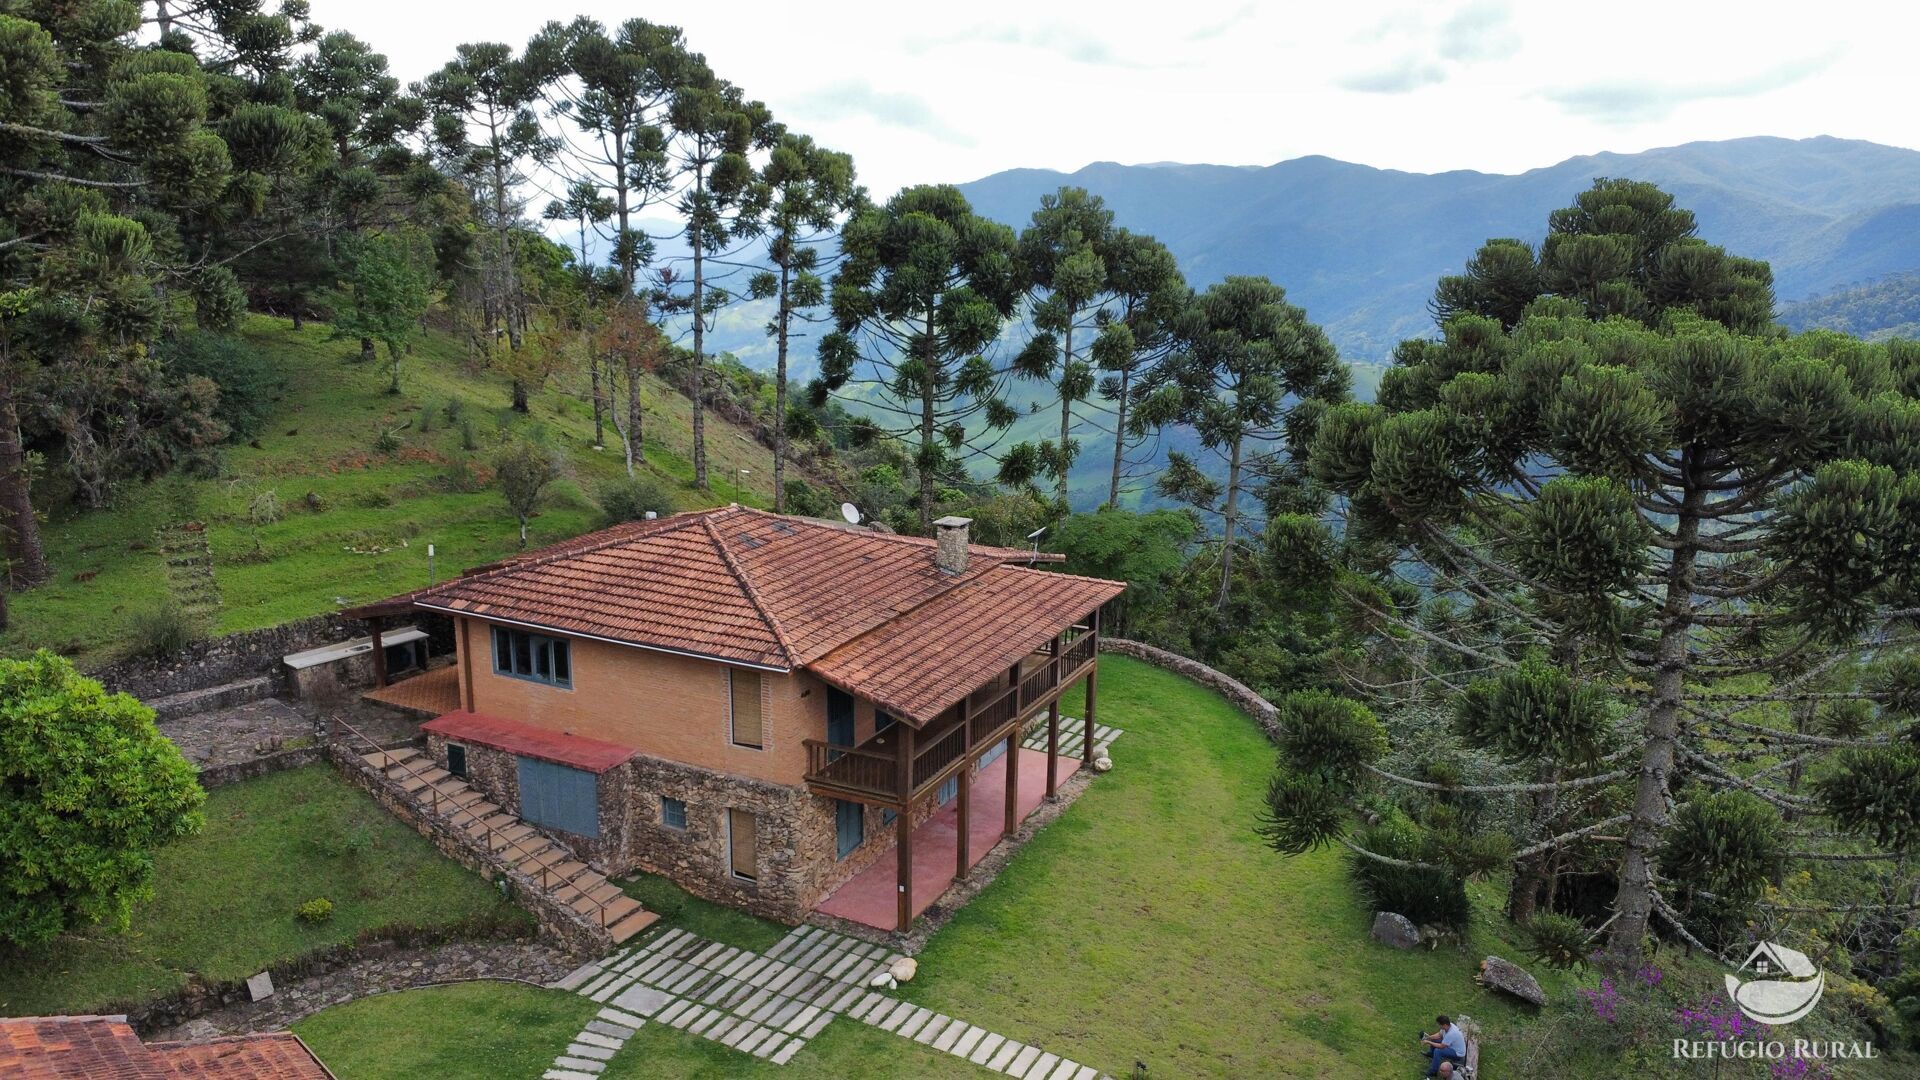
[[1510, 978], [904, 968], [1395, 930], [1102, 763], [882, 981]]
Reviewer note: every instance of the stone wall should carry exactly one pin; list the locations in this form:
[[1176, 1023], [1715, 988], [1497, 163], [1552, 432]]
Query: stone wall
[[213, 776], [248, 654], [565, 927], [1232, 689]]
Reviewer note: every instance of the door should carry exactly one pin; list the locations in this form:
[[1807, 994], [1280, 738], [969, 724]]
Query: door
[[994, 753], [558, 797], [850, 825], [949, 789], [839, 718]]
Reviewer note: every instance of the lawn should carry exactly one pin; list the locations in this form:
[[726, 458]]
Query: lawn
[[355, 522], [1147, 924], [224, 900]]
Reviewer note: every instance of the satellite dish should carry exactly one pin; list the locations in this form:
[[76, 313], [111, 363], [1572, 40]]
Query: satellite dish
[[850, 512], [1035, 534]]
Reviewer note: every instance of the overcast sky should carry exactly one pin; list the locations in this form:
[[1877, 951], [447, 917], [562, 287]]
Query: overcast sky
[[939, 92]]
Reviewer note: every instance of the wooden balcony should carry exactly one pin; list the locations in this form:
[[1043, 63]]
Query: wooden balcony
[[875, 772]]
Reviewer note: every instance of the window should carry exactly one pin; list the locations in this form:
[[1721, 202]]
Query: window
[[743, 836], [673, 813], [743, 696], [534, 657], [457, 760], [850, 827], [559, 797]]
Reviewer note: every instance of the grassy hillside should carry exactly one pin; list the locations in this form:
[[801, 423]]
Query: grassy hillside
[[354, 522]]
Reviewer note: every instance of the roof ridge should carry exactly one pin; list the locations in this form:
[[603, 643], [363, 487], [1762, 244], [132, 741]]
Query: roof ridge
[[670, 523], [753, 594]]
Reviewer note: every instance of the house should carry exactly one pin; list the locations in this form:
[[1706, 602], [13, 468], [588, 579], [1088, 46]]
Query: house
[[101, 1047], [758, 706]]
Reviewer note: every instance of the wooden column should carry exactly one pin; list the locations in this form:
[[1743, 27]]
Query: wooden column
[[1093, 687], [463, 656], [1053, 745], [903, 873], [379, 652], [1013, 781], [960, 859]]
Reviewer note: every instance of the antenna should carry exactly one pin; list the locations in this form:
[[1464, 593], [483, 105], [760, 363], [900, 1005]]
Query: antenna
[[850, 512], [1035, 537]]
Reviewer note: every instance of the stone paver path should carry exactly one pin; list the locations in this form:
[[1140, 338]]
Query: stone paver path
[[1072, 736], [770, 1004]]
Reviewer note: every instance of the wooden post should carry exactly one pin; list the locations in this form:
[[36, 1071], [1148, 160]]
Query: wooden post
[[960, 859], [903, 872], [463, 656], [1053, 744], [1013, 781], [379, 653], [1093, 687]]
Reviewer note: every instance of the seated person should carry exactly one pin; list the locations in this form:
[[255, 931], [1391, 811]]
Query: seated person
[[1445, 1046]]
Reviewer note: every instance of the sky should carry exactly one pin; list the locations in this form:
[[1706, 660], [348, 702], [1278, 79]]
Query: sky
[[937, 92]]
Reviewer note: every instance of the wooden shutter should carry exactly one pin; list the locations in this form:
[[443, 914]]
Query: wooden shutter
[[749, 726], [743, 836]]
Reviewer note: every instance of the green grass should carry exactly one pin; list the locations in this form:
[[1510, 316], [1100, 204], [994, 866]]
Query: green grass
[[469, 1031], [380, 511], [678, 907], [1149, 923], [224, 900]]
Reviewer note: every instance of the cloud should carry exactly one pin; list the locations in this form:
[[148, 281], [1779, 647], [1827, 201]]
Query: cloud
[[1219, 29], [1483, 30], [858, 99], [1408, 73], [1069, 42], [1626, 102]]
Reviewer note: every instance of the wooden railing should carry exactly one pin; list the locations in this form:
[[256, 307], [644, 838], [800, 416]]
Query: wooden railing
[[990, 715]]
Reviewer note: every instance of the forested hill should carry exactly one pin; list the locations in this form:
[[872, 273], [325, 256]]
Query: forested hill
[[1889, 307], [1360, 247]]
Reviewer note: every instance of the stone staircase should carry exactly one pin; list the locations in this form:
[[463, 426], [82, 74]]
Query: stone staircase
[[564, 878]]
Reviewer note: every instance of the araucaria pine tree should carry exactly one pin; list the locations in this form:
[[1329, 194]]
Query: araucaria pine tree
[[1688, 528], [925, 288]]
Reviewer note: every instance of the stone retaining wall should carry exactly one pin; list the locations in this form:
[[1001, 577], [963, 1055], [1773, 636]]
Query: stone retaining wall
[[1242, 695], [213, 776], [247, 654], [565, 927]]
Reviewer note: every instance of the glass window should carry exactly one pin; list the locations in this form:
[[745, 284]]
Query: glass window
[[534, 657], [673, 813]]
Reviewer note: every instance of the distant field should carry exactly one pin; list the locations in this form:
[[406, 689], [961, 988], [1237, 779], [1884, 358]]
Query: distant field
[[377, 512]]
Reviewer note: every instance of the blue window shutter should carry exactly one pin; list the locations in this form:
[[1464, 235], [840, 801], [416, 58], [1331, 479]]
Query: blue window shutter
[[559, 797]]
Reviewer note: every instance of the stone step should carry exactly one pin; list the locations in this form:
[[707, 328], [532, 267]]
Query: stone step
[[632, 924], [474, 812], [505, 836], [386, 759], [569, 870], [212, 698]]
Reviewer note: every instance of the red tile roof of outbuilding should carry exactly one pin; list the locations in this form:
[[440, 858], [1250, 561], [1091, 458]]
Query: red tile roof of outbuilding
[[106, 1048]]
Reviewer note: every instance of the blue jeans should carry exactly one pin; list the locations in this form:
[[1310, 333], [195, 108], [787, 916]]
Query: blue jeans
[[1440, 1054]]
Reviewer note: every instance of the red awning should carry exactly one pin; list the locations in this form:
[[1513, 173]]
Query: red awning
[[525, 740]]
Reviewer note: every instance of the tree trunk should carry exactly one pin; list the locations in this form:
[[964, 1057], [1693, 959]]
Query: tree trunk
[[1232, 518], [394, 386], [780, 398], [636, 441], [1066, 419], [1530, 874], [1633, 903], [24, 548], [926, 431], [699, 360], [520, 396], [298, 322], [1119, 438], [367, 353], [599, 406]]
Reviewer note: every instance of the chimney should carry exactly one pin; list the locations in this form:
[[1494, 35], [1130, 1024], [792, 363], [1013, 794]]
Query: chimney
[[951, 556]]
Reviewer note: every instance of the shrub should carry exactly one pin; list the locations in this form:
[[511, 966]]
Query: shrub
[[91, 789], [630, 497], [462, 475], [1429, 895], [806, 500], [264, 508], [1559, 941], [247, 386], [469, 441], [318, 910], [162, 631], [387, 441], [373, 499]]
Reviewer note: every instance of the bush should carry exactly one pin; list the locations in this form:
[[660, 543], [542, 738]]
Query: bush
[[1429, 895], [469, 441], [318, 910], [630, 497], [162, 631], [91, 789], [247, 386], [1559, 941], [265, 508], [807, 501]]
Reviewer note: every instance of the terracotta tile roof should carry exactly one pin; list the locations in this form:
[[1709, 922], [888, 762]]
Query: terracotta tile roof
[[578, 751], [105, 1048], [919, 665], [732, 584]]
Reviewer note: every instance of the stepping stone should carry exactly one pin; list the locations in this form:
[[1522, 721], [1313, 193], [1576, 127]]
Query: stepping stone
[[741, 1032], [1043, 1066], [917, 1020], [611, 1031], [963, 1046], [675, 1011], [785, 1053], [1022, 1061], [895, 1017], [1087, 1072], [819, 1023], [626, 1020], [586, 1065], [806, 1016], [1005, 1055], [952, 1035], [708, 1018], [597, 1053], [577, 977], [987, 1048], [719, 1031], [773, 1042], [935, 1025], [592, 1038], [755, 1038], [567, 1074]]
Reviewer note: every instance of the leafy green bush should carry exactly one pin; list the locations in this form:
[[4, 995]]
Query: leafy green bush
[[162, 631], [806, 500], [630, 497], [1558, 941], [317, 910], [1430, 895], [247, 386]]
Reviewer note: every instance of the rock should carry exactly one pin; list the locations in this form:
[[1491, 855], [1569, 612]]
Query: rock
[[195, 1031], [1510, 978], [904, 968], [1102, 763], [883, 980], [1395, 930]]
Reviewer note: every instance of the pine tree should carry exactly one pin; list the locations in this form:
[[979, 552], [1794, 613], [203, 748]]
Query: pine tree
[[1135, 336], [810, 189], [925, 288]]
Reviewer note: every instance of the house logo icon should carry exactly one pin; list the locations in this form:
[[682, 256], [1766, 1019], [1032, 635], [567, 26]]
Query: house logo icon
[[1783, 986]]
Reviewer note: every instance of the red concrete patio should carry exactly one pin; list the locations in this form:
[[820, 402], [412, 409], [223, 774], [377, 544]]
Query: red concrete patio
[[871, 896]]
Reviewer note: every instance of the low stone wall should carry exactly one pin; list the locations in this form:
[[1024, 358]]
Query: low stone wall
[[199, 997], [565, 927], [213, 776], [1242, 695], [247, 654]]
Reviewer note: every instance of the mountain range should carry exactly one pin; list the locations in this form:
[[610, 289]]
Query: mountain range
[[1361, 247]]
